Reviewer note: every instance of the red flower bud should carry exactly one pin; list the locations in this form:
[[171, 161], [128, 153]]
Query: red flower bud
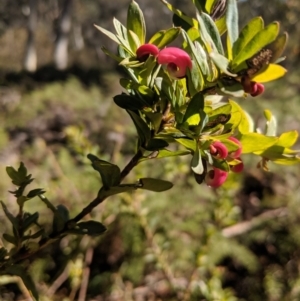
[[251, 87], [238, 152], [145, 50], [218, 149], [176, 59], [216, 177], [238, 167], [259, 89]]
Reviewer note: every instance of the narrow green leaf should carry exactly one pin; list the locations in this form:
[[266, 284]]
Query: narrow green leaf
[[260, 40], [196, 163], [180, 14], [278, 47], [221, 62], [271, 124], [232, 22], [142, 128], [247, 34], [244, 126], [110, 173], [129, 102], [35, 192], [108, 34], [168, 37], [190, 144], [164, 153], [11, 239], [60, 217], [196, 104], [136, 22], [213, 32], [9, 215], [29, 220], [156, 185], [92, 228], [156, 144]]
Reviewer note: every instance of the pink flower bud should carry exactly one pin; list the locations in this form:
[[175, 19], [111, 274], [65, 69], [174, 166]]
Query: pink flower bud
[[251, 87], [145, 50], [238, 152], [238, 167], [218, 149], [216, 177], [259, 89], [176, 59]]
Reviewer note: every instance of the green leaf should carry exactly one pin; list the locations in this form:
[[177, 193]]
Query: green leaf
[[136, 24], [122, 36], [108, 34], [18, 270], [213, 32], [156, 144], [164, 153], [232, 21], [278, 47], [156, 185], [11, 239], [60, 217], [271, 124], [35, 192], [180, 14], [254, 142], [196, 163], [92, 228], [156, 119], [247, 34], [244, 125], [129, 102], [28, 220], [110, 173], [221, 62], [18, 177], [268, 73], [189, 144], [195, 105], [117, 189], [142, 128], [14, 221], [165, 37], [259, 41], [287, 139]]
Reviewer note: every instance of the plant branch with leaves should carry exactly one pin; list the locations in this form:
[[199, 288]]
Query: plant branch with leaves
[[179, 100]]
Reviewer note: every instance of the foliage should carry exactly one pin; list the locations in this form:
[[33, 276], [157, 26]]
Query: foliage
[[177, 101]]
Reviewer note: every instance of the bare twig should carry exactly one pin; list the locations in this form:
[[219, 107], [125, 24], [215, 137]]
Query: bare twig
[[247, 226], [86, 273], [58, 281]]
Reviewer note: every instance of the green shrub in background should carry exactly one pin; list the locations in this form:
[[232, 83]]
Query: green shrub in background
[[177, 100]]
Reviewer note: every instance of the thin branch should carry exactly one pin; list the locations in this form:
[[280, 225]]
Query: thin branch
[[247, 226]]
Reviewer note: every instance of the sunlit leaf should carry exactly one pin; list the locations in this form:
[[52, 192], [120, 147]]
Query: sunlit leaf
[[247, 34], [254, 142], [260, 40], [136, 23], [268, 73]]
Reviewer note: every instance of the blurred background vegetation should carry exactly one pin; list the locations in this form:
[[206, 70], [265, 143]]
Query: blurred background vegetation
[[241, 242]]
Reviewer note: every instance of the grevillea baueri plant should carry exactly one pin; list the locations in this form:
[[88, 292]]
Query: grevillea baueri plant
[[179, 99]]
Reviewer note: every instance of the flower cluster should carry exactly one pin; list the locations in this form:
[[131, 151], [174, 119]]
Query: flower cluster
[[216, 177], [176, 59]]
